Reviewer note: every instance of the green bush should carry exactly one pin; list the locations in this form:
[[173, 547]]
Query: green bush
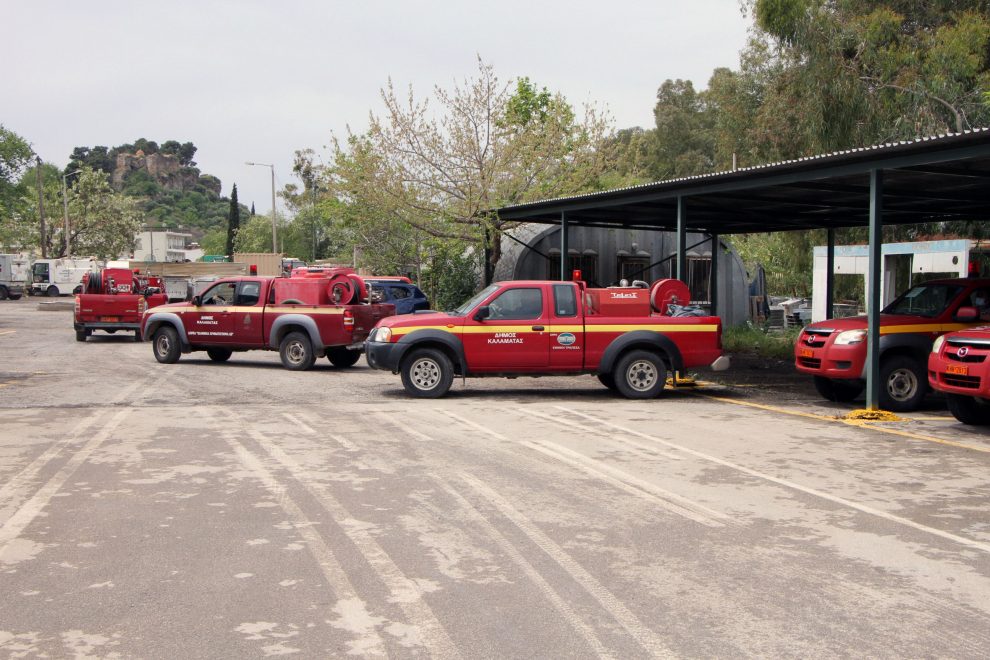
[[757, 341]]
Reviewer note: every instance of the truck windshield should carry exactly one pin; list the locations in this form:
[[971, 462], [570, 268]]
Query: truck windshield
[[475, 299], [928, 300]]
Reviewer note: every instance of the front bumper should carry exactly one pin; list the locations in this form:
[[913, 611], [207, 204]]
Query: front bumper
[[384, 356], [831, 361], [974, 382]]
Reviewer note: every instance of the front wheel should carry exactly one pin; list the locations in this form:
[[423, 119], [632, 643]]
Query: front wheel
[[343, 357], [296, 352], [640, 375], [969, 409], [841, 391], [427, 374], [903, 383], [165, 345], [52, 292], [219, 354]]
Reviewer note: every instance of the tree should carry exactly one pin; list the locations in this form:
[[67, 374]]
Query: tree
[[233, 221], [484, 145], [104, 223], [15, 157]]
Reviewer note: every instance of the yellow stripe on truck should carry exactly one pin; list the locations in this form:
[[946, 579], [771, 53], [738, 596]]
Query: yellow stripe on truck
[[923, 327], [489, 329]]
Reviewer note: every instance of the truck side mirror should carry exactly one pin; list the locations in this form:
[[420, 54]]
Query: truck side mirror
[[483, 313], [967, 315], [197, 301]]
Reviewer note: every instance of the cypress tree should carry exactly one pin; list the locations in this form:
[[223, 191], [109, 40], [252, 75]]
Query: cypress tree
[[233, 221]]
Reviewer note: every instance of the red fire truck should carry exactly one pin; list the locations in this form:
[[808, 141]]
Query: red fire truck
[[628, 337], [300, 317], [114, 299], [959, 367]]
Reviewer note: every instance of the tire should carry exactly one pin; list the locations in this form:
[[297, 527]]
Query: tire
[[969, 409], [137, 335], [219, 354], [607, 380], [296, 352], [165, 345], [640, 375], [52, 292], [81, 335], [4, 293], [343, 357], [427, 374], [15, 296], [840, 391], [903, 383]]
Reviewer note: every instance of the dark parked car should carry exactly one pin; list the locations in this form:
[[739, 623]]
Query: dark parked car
[[402, 293]]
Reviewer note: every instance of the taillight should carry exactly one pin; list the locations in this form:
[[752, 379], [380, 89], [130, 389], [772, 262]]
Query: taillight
[[348, 320], [78, 306], [142, 305]]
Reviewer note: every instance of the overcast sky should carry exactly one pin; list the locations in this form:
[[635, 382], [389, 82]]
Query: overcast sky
[[255, 81]]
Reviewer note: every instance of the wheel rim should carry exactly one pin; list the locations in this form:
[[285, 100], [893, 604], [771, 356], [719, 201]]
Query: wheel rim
[[641, 375], [295, 352], [902, 384], [425, 374], [163, 344]]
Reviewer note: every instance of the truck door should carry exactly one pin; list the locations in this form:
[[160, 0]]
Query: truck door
[[514, 337], [566, 329], [211, 323], [246, 315]]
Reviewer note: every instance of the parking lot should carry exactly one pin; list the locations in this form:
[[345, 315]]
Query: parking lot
[[242, 510]]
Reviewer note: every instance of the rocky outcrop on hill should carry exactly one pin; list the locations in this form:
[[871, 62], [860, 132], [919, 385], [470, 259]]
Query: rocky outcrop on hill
[[165, 169]]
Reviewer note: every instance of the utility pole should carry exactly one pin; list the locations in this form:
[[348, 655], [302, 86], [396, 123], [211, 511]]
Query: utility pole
[[41, 212], [272, 166]]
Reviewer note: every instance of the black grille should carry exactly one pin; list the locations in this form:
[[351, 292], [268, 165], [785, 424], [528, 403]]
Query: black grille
[[969, 382], [966, 358], [811, 363]]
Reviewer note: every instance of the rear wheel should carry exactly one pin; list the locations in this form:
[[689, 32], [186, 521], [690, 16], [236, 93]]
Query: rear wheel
[[165, 345], [219, 354], [903, 383], [343, 357], [841, 391], [427, 374], [969, 409], [137, 335], [52, 292], [640, 375], [4, 293], [296, 352], [82, 334]]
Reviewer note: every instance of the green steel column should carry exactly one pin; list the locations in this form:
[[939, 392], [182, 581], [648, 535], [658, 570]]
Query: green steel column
[[713, 282], [830, 275], [681, 239], [875, 271], [565, 274]]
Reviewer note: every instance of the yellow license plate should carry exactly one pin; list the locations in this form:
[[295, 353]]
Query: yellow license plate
[[806, 352], [957, 369], [110, 319]]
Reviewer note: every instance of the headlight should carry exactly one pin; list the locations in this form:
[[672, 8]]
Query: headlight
[[937, 346], [850, 337], [382, 335]]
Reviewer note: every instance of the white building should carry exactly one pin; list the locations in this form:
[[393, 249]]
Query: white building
[[161, 246]]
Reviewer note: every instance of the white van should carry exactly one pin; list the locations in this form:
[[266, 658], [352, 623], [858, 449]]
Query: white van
[[59, 277], [13, 276]]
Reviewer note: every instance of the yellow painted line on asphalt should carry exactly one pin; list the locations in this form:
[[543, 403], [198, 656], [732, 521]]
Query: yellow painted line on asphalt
[[873, 426]]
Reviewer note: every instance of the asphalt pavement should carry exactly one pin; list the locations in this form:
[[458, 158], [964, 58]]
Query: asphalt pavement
[[203, 510]]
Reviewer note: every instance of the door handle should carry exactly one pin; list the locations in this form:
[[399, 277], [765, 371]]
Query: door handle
[[538, 328]]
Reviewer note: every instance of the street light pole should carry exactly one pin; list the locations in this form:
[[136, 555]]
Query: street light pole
[[65, 209], [274, 242]]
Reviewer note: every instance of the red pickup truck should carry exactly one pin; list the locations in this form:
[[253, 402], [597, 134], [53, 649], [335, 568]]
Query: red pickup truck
[[537, 328], [959, 367], [114, 299], [834, 351], [295, 316]]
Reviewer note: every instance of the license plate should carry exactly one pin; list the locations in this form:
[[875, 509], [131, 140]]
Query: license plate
[[110, 319], [957, 369], [806, 352]]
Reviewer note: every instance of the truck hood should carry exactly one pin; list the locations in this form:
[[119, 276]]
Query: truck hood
[[421, 320], [979, 332], [169, 307], [860, 322]]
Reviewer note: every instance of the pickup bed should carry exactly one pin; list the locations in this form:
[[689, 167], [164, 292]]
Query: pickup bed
[[294, 316], [538, 328], [834, 351]]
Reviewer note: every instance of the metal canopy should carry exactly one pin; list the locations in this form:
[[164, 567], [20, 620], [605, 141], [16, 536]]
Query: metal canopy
[[925, 180]]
